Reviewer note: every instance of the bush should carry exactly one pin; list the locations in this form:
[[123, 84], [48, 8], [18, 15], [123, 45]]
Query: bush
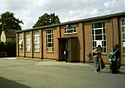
[[2, 47], [9, 48]]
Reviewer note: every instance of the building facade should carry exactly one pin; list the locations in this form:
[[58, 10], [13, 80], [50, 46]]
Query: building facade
[[79, 37]]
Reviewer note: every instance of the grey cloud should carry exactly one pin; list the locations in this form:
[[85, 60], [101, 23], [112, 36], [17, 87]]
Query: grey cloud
[[67, 10], [16, 4]]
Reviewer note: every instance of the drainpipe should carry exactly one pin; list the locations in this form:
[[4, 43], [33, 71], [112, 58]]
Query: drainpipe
[[42, 43], [112, 34], [83, 43], [31, 43], [17, 44], [59, 43], [60, 31]]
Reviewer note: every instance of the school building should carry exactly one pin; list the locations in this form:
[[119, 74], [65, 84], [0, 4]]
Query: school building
[[80, 37]]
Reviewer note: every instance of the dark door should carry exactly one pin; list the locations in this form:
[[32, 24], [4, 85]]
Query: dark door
[[73, 46], [63, 45]]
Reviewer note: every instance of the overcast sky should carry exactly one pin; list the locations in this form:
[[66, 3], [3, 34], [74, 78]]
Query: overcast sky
[[30, 10]]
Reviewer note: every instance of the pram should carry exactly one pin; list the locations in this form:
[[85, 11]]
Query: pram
[[115, 66], [114, 62]]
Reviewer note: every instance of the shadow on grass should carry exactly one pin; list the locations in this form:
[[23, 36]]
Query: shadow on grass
[[5, 83]]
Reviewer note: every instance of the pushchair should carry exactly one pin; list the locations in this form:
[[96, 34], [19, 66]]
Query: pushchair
[[115, 66]]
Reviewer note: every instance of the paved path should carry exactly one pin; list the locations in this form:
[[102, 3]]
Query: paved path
[[18, 73]]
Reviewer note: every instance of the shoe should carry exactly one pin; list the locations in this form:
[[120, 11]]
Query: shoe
[[96, 71]]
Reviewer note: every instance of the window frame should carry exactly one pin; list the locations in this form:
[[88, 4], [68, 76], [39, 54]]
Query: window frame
[[28, 42], [103, 40], [49, 40], [36, 41], [68, 28], [20, 42], [122, 38]]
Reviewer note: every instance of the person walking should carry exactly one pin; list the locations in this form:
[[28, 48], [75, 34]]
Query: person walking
[[66, 54], [97, 56], [114, 58]]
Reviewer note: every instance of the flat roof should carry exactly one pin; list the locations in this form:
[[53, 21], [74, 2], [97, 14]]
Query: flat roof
[[77, 21]]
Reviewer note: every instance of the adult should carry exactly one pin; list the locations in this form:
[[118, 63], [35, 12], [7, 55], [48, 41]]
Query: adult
[[97, 56], [114, 58]]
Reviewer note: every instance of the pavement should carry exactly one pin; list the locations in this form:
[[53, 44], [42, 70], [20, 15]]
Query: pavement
[[54, 62], [21, 73]]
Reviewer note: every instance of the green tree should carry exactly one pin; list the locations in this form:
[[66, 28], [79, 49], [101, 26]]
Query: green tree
[[47, 19], [8, 21]]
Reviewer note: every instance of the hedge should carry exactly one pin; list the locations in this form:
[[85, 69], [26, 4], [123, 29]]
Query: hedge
[[9, 48]]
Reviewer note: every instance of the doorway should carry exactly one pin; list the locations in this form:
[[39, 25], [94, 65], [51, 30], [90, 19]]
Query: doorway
[[73, 46], [63, 45]]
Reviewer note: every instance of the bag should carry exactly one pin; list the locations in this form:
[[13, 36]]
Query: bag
[[112, 56], [102, 64], [94, 52]]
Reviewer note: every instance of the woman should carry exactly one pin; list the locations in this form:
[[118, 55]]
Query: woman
[[115, 59], [97, 55]]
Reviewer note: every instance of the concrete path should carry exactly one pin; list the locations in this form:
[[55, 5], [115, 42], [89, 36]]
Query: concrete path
[[20, 73]]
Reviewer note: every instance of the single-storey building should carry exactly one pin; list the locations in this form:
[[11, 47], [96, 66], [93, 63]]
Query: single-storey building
[[80, 37]]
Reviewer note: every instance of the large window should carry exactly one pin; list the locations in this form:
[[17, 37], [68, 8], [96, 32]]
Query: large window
[[36, 35], [20, 42], [70, 29], [123, 35], [99, 35], [49, 40], [27, 41]]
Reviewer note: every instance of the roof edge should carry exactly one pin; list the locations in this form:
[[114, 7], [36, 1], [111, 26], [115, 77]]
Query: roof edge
[[76, 21]]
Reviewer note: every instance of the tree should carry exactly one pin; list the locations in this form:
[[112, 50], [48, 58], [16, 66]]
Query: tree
[[8, 21], [47, 19]]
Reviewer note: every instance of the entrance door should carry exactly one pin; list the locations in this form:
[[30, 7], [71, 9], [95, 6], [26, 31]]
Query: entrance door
[[73, 46], [63, 45]]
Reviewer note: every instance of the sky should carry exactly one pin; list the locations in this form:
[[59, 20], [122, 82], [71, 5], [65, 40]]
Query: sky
[[68, 10]]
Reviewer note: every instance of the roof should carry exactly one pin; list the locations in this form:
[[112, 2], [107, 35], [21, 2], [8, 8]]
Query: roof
[[10, 33], [77, 21]]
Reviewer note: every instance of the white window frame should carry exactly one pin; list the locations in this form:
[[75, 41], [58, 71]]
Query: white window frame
[[70, 29], [28, 40], [123, 37], [36, 37], [102, 41], [20, 43], [49, 40]]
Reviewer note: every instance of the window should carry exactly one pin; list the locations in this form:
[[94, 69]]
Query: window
[[70, 29], [49, 40], [99, 35], [27, 41], [20, 42], [123, 34], [36, 35]]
